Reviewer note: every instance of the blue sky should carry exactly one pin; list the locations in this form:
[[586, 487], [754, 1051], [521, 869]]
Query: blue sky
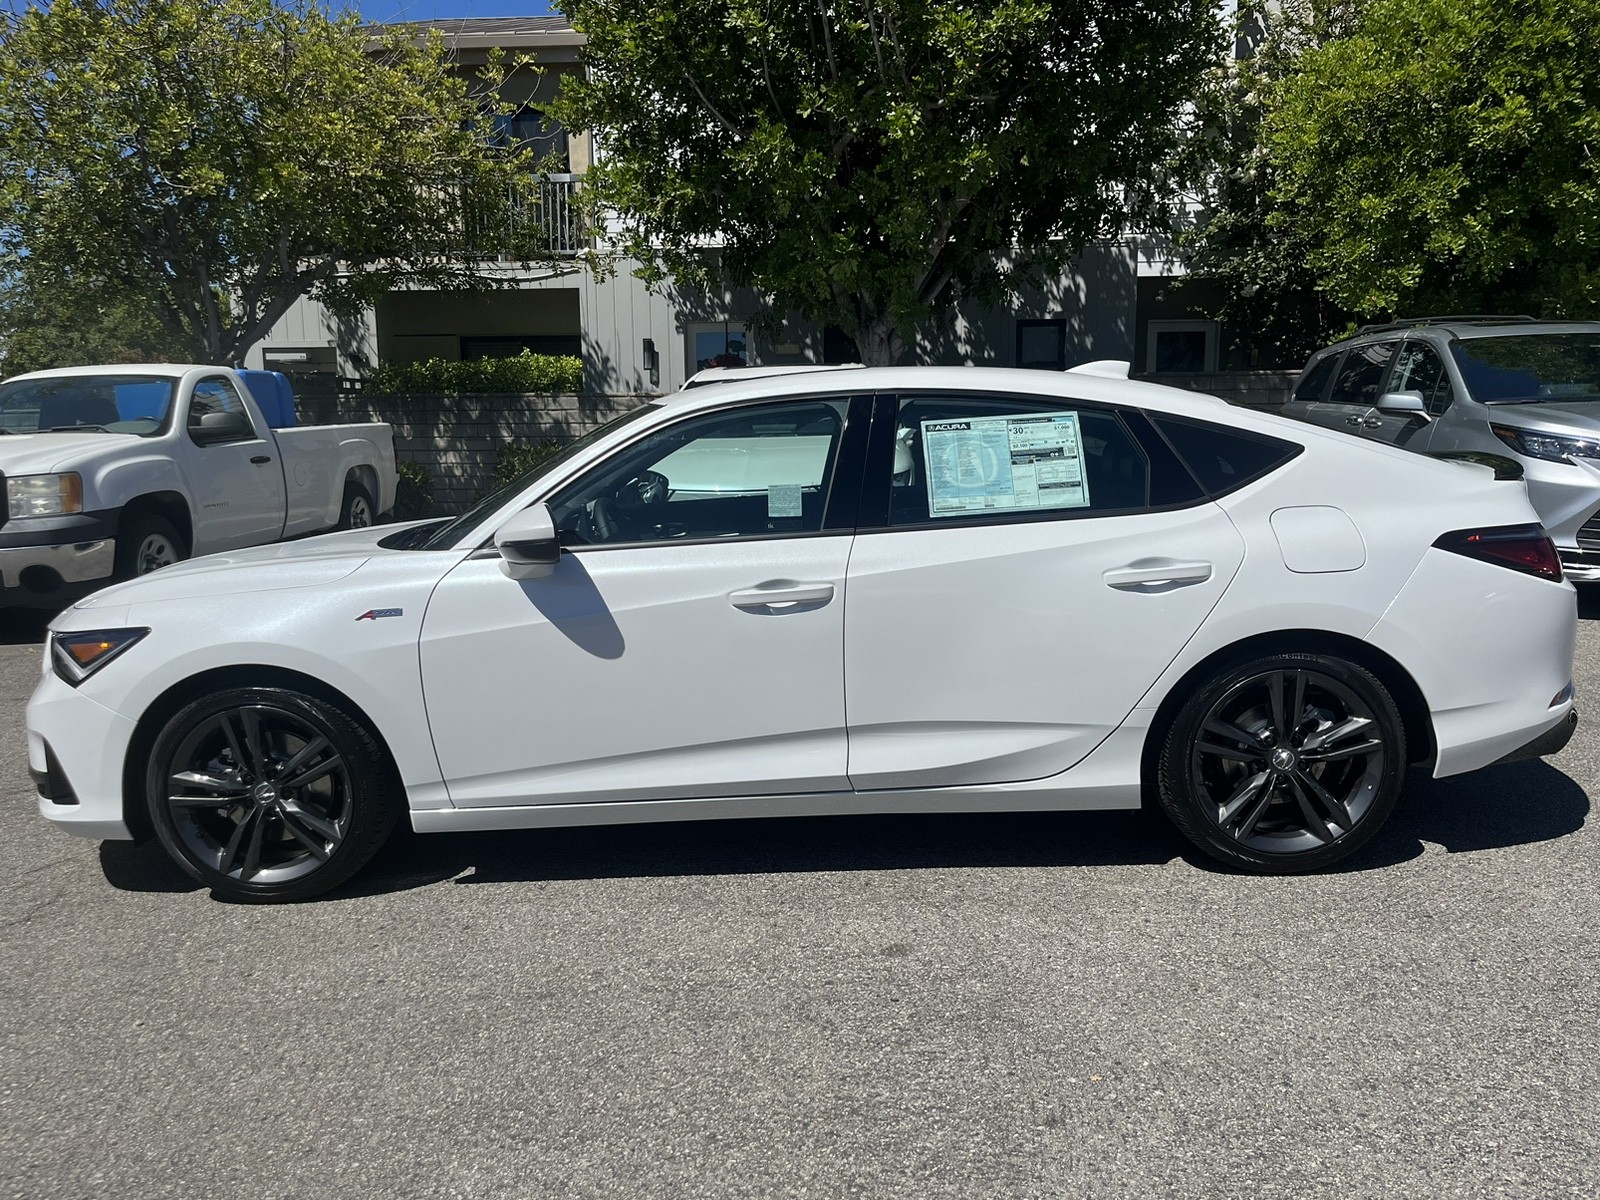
[[428, 10]]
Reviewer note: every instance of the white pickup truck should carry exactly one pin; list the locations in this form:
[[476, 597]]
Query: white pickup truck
[[113, 471]]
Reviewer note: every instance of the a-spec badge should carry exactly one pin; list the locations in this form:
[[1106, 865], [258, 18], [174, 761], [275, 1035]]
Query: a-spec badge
[[372, 614]]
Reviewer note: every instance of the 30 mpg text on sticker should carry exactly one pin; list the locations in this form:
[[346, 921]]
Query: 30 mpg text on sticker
[[1004, 464]]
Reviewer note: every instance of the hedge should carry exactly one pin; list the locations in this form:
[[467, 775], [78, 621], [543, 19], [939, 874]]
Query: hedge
[[546, 373]]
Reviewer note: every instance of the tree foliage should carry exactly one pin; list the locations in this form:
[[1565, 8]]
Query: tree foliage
[[863, 162], [68, 322], [1242, 239], [1445, 154], [222, 158]]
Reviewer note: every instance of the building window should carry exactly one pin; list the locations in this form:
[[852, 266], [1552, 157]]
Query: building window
[[838, 347], [1181, 347], [724, 344], [1042, 345], [528, 128], [510, 347]]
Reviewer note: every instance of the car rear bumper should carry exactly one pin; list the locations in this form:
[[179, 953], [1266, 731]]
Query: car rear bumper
[[76, 752], [1551, 741], [1491, 651]]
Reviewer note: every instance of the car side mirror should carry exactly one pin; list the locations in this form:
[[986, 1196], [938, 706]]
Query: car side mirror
[[528, 544], [1402, 402], [218, 427]]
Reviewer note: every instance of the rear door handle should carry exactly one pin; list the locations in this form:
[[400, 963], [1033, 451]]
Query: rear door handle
[[1156, 574], [262, 458], [781, 595]]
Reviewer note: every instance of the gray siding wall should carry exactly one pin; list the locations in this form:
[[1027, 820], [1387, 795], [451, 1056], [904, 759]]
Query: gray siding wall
[[1251, 389]]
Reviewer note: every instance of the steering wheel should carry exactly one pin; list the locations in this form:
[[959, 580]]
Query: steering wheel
[[604, 522]]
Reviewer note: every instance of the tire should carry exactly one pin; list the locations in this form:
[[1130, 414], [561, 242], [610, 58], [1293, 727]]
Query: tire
[[1283, 764], [357, 510], [268, 795], [147, 543]]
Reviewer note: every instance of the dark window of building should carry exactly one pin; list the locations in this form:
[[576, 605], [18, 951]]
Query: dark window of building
[[510, 347], [1042, 345], [838, 346]]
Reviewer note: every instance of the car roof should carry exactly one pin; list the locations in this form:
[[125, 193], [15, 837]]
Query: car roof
[[1067, 385], [1462, 328], [739, 374], [155, 370]]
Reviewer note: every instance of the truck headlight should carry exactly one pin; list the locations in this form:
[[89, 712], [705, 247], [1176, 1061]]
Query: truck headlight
[[44, 495], [76, 656], [1551, 446]]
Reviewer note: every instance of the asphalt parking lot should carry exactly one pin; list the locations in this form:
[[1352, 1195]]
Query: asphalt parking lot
[[1065, 1005]]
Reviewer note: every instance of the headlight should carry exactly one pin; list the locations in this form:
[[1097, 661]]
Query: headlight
[[79, 655], [1547, 445], [44, 495]]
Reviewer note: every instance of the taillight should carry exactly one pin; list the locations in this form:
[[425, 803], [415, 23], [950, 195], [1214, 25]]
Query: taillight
[[1525, 548]]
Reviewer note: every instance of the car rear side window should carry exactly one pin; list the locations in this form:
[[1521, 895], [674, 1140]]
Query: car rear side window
[[960, 458], [1315, 383], [1361, 374], [1224, 459]]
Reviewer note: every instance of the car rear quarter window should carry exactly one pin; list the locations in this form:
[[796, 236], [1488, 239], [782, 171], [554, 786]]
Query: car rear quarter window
[[1224, 459]]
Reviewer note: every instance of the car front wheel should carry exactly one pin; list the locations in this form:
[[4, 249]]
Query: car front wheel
[[1285, 764], [268, 794]]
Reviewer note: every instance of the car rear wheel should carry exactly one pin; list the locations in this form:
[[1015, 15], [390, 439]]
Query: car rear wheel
[[1284, 764], [268, 795], [356, 512]]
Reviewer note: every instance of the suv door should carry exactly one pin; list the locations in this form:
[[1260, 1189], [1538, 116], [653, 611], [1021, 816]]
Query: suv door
[[1351, 401], [1417, 368], [690, 640], [1025, 569], [1306, 403]]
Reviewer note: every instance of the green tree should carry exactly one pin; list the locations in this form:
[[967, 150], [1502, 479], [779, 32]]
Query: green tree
[[863, 163], [62, 322], [1242, 239], [1445, 154], [219, 159]]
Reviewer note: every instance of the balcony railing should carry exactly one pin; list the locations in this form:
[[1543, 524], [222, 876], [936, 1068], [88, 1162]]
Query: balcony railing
[[527, 222]]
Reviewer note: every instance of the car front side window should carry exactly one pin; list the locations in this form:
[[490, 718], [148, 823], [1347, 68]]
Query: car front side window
[[754, 471], [1419, 368]]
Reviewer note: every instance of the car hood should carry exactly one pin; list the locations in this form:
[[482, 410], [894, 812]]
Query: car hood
[[1577, 415], [306, 563], [43, 453]]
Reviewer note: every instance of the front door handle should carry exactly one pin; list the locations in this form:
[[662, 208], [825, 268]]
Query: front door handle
[[261, 458], [781, 594], [1156, 575]]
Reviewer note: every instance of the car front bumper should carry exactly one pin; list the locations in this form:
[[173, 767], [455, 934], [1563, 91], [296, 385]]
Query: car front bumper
[[84, 797]]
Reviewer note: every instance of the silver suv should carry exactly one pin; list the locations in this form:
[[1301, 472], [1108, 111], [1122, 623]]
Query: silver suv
[[1511, 386]]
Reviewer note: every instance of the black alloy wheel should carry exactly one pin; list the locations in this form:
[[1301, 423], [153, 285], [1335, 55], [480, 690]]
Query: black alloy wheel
[[1284, 764], [266, 794]]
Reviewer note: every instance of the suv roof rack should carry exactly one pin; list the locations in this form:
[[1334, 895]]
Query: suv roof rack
[[1460, 319]]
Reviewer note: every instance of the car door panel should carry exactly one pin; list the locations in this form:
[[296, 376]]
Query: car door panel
[[643, 672], [1004, 653]]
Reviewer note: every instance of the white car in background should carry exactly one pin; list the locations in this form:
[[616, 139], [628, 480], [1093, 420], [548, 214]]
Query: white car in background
[[901, 590]]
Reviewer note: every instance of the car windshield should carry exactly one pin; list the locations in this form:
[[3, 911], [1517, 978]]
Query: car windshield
[[136, 404], [1531, 368], [445, 536]]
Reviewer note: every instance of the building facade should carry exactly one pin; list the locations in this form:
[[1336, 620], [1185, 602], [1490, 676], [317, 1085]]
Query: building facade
[[1117, 301]]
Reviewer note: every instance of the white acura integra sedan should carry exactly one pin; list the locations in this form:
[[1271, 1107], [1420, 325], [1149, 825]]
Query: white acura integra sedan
[[848, 592]]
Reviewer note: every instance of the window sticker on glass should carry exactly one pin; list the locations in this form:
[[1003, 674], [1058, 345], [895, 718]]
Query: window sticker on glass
[[783, 500], [1004, 464]]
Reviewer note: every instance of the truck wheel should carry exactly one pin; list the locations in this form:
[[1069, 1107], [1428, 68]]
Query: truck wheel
[[357, 511], [148, 543]]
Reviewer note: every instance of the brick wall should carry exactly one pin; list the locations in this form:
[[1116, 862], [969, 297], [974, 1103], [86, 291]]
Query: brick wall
[[1251, 389], [457, 438]]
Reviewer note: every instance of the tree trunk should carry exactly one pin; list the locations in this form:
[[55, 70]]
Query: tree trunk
[[879, 343]]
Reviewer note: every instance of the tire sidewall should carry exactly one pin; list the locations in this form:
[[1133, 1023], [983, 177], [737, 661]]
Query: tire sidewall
[[1187, 810], [374, 809], [352, 493], [132, 536]]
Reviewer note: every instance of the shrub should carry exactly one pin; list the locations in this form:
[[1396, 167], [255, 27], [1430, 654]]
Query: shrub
[[518, 458], [544, 373], [413, 499]]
